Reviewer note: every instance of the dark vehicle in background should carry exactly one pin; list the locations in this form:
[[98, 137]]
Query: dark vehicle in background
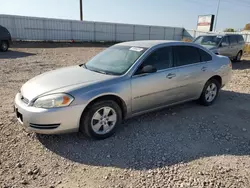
[[5, 39], [230, 45]]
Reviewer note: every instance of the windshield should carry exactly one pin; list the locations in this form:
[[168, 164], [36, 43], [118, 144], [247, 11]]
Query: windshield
[[208, 40], [115, 60]]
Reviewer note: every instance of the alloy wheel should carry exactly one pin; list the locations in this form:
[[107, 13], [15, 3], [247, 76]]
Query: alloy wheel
[[238, 58], [103, 120], [211, 92]]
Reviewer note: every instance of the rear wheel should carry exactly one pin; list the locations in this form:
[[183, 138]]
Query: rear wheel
[[238, 57], [4, 45], [101, 119], [210, 92]]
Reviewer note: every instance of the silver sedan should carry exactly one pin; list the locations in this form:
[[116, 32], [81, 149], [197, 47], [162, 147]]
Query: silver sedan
[[125, 80]]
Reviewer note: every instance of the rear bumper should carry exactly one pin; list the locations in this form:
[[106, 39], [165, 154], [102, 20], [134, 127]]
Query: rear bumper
[[226, 78], [48, 121]]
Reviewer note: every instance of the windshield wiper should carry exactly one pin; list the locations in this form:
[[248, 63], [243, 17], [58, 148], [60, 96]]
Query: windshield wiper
[[99, 71], [83, 65], [102, 72]]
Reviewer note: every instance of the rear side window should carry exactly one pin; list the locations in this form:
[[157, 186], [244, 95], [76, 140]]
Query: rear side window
[[240, 39], [185, 55], [233, 39], [204, 55]]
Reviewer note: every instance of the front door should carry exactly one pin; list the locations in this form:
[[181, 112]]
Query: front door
[[154, 89]]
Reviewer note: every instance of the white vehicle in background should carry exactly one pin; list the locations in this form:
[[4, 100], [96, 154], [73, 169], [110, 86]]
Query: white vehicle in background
[[230, 45]]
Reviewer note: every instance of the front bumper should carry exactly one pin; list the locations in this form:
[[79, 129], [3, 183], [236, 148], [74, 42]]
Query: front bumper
[[48, 121]]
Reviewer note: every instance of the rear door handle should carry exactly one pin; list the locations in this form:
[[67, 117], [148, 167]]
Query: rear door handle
[[204, 69], [171, 75]]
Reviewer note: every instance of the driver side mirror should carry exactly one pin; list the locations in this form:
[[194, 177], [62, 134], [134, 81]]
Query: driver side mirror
[[148, 69]]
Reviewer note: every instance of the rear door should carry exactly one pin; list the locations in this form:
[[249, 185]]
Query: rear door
[[154, 89], [233, 45], [225, 48], [241, 42], [192, 71]]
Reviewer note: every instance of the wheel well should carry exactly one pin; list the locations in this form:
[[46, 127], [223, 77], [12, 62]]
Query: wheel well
[[218, 78], [115, 98], [5, 41]]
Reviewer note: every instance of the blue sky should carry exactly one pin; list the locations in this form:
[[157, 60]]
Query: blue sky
[[182, 13]]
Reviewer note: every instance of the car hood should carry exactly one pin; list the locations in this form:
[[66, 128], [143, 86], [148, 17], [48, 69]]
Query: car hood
[[209, 47], [60, 78]]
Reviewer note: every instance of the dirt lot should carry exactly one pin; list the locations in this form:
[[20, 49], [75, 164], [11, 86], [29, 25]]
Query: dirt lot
[[183, 146]]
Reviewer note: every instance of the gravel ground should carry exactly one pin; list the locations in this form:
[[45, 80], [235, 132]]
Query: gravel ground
[[184, 146]]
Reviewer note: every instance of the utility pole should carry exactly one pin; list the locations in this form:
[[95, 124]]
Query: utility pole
[[216, 18], [81, 10]]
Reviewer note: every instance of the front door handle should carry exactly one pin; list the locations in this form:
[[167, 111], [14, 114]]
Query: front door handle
[[204, 69], [171, 75]]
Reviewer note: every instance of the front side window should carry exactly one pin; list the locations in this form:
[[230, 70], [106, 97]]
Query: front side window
[[185, 55], [160, 59], [115, 60], [208, 40]]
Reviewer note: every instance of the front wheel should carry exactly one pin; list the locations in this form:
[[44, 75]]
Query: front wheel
[[101, 119], [210, 92]]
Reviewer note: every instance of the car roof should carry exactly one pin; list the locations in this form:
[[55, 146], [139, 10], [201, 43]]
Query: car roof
[[148, 43]]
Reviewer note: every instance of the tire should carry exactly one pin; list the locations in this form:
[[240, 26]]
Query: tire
[[212, 86], [238, 57], [4, 46], [96, 119]]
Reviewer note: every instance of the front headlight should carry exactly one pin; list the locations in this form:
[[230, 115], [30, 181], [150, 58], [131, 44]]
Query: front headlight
[[53, 101]]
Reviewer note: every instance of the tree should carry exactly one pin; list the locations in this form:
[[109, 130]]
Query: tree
[[229, 30], [247, 27]]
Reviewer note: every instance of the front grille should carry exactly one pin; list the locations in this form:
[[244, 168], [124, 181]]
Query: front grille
[[26, 101], [44, 126]]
